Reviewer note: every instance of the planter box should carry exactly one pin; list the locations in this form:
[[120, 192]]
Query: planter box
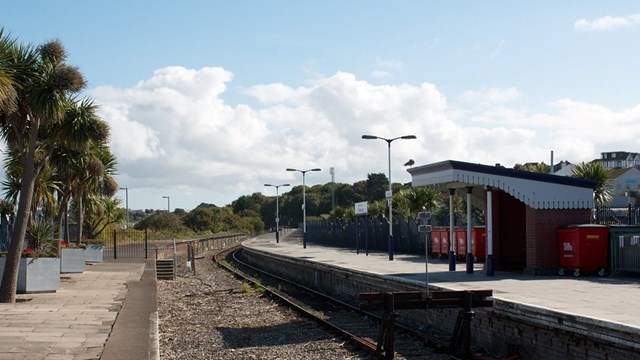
[[36, 274], [72, 260], [94, 253]]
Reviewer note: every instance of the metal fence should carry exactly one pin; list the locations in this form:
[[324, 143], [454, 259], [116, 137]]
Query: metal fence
[[178, 249], [366, 234], [127, 244], [624, 249], [616, 216]]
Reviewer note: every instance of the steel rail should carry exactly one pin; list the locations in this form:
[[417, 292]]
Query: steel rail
[[371, 346]]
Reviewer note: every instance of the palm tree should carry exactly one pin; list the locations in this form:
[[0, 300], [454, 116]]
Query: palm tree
[[596, 172], [107, 212], [423, 199], [95, 182], [7, 92], [42, 82], [81, 135]]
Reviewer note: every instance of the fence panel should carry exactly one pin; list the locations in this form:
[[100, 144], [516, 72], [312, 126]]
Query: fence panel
[[626, 256], [126, 244]]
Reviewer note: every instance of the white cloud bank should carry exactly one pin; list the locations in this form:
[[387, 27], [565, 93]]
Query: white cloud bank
[[174, 135], [607, 23]]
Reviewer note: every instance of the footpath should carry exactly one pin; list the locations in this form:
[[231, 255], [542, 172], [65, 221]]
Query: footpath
[[107, 312]]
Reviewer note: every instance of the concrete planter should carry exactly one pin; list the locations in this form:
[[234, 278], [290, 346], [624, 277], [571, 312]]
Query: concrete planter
[[72, 260], [94, 253], [36, 274]]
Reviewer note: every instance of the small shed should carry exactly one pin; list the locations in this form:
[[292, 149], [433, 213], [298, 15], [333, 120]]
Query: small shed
[[522, 210]]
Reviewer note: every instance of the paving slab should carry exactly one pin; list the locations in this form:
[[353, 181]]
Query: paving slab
[[74, 322], [613, 300]]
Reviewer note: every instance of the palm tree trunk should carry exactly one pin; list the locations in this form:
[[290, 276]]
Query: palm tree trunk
[[80, 218], [10, 277]]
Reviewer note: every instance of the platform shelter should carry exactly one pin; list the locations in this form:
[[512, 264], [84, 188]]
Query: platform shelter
[[522, 211]]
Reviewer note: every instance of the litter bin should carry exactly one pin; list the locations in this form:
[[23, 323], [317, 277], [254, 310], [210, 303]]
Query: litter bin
[[583, 248], [479, 243], [440, 242], [460, 236]]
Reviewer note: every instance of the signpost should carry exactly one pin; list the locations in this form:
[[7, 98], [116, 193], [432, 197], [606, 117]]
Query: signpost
[[424, 218], [362, 209]]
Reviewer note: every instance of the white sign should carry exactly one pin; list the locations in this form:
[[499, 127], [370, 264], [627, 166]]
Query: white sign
[[362, 208]]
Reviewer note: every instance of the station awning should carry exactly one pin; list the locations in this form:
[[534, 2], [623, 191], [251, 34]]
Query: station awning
[[536, 190]]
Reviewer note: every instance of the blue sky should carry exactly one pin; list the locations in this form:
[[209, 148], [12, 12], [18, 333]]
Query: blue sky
[[209, 100]]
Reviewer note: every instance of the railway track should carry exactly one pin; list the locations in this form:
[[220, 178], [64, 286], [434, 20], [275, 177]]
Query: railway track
[[359, 327]]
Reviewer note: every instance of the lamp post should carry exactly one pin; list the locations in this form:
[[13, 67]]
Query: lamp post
[[277, 210], [168, 202], [389, 194], [126, 201], [304, 205]]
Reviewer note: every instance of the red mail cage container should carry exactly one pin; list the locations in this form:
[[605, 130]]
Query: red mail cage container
[[460, 237], [440, 242], [583, 248], [479, 243]]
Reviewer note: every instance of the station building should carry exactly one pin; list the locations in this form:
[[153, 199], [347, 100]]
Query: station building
[[523, 210]]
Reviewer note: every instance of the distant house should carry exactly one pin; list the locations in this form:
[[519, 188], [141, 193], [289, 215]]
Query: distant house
[[625, 174], [625, 181], [619, 159], [563, 168]]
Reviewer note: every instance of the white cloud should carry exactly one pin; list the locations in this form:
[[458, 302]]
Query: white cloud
[[174, 134], [380, 74], [389, 63], [490, 96], [607, 23]]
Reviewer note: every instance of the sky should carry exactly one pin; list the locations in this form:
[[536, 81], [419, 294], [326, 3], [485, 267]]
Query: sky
[[209, 100]]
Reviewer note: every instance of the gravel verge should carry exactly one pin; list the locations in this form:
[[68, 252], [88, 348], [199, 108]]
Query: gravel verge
[[213, 315]]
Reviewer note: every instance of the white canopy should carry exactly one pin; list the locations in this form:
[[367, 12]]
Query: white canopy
[[536, 190]]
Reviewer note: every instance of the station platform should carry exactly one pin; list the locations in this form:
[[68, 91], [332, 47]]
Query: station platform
[[612, 300], [103, 313]]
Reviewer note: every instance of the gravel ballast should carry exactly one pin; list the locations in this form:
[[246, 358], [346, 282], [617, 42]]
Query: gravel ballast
[[213, 315]]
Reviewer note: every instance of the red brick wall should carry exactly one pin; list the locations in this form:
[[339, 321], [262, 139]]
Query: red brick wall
[[541, 225]]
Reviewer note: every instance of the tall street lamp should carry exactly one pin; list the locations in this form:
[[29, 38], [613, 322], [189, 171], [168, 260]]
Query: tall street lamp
[[304, 205], [168, 202], [277, 210], [126, 197], [389, 194]]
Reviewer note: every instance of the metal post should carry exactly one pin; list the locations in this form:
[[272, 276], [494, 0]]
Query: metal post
[[390, 192], [277, 215], [168, 203], [629, 222], [277, 210], [452, 238], [469, 233], [304, 204], [304, 213], [390, 202], [489, 221]]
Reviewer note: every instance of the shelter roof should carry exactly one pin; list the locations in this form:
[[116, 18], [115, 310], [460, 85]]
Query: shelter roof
[[537, 190]]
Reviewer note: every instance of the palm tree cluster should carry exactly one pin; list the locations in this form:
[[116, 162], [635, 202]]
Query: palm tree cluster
[[57, 152]]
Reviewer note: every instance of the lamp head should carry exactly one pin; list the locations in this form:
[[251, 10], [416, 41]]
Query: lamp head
[[408, 137], [369, 137]]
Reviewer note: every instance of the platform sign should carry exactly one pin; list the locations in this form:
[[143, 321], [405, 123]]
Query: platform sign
[[362, 208]]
